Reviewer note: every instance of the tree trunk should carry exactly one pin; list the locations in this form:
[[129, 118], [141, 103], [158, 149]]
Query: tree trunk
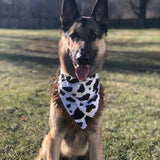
[[142, 12]]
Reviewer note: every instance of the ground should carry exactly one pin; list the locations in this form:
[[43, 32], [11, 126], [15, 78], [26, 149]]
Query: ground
[[131, 79]]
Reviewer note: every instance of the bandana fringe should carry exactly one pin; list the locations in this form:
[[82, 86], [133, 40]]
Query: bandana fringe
[[62, 112]]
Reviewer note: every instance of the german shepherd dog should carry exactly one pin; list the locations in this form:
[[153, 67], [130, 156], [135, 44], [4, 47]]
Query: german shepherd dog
[[82, 50]]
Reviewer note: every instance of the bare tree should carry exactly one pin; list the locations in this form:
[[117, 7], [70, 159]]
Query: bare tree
[[139, 10]]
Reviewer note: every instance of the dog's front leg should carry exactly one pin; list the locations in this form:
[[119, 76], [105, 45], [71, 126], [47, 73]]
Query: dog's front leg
[[96, 147], [54, 145]]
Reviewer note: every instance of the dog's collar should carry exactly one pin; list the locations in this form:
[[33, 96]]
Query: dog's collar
[[80, 98]]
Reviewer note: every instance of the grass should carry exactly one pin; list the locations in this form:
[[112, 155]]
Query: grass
[[131, 78]]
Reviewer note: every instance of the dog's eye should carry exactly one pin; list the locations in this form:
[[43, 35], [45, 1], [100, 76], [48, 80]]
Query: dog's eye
[[94, 36], [74, 36]]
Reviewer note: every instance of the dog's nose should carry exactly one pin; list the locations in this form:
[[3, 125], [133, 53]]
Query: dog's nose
[[83, 58]]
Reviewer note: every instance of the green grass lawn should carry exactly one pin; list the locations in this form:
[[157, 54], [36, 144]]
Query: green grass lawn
[[131, 78]]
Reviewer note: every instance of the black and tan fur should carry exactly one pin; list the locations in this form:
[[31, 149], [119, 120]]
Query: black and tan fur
[[83, 41]]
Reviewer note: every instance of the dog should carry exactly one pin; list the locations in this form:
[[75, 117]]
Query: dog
[[76, 109]]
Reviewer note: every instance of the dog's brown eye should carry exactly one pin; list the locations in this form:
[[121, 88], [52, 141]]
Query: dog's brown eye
[[74, 36], [94, 36]]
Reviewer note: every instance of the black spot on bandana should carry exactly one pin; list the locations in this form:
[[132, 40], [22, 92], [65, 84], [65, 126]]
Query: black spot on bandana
[[85, 97], [68, 78], [80, 124], [93, 99], [70, 99], [70, 111], [93, 76], [78, 114], [90, 107], [62, 75], [89, 83], [62, 93], [95, 87], [81, 88], [68, 89], [87, 119], [68, 105], [73, 80]]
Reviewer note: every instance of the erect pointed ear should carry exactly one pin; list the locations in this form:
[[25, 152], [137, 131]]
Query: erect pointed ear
[[69, 12], [100, 13]]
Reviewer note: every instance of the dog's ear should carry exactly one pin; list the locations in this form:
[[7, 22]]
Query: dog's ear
[[69, 12], [100, 13]]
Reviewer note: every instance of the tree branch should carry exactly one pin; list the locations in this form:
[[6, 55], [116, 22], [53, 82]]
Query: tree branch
[[135, 8]]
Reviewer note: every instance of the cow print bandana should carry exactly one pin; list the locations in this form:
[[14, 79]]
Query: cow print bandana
[[80, 98]]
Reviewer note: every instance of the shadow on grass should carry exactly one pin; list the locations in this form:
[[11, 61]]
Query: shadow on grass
[[154, 55], [134, 62], [27, 37], [18, 59], [115, 66], [40, 52], [117, 61], [132, 43]]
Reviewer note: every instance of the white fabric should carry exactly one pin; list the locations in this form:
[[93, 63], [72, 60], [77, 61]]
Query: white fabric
[[79, 105]]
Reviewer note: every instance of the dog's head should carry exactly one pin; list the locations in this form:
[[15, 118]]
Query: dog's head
[[83, 39]]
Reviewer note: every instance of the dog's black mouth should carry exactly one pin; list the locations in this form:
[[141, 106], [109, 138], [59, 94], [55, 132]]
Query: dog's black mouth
[[82, 71]]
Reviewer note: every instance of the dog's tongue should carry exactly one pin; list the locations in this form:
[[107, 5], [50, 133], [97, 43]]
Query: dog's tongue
[[82, 72]]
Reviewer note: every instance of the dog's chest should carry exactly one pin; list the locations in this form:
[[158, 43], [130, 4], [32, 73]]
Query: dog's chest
[[74, 144], [80, 98]]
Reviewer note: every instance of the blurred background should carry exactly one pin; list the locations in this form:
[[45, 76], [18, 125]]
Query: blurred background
[[40, 14], [130, 77]]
